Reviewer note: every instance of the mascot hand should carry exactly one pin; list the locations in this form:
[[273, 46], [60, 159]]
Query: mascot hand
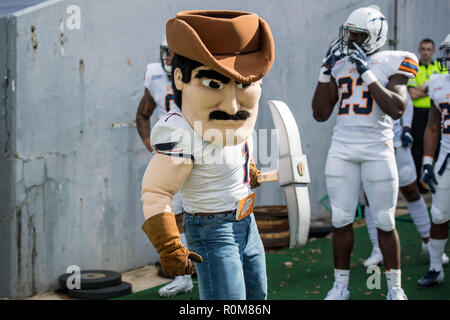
[[162, 231], [254, 172]]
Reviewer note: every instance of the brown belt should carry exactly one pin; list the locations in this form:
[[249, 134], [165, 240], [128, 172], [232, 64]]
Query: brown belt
[[209, 213]]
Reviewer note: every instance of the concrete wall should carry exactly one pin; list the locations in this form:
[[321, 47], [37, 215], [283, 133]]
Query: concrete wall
[[72, 162]]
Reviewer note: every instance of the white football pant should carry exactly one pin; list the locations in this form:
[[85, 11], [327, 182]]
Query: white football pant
[[379, 179]]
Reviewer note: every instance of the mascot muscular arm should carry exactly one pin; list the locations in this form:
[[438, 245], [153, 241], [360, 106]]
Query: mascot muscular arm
[[160, 225]]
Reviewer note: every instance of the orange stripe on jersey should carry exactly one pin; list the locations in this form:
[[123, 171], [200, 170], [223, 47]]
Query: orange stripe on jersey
[[411, 61], [403, 68], [409, 65]]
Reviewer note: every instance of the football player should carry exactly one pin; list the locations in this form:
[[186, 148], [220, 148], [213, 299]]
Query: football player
[[204, 147], [438, 178], [370, 86], [156, 102], [408, 187], [158, 95]]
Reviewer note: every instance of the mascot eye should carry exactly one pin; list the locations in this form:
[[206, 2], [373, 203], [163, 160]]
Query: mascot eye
[[212, 84], [242, 85]]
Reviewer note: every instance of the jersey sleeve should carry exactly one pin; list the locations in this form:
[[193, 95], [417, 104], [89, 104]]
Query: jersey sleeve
[[172, 136], [431, 88], [408, 114], [149, 73], [406, 64]]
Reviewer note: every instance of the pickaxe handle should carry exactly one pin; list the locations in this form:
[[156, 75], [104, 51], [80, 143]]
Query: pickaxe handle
[[268, 176]]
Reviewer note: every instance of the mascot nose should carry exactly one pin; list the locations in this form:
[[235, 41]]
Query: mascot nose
[[229, 103]]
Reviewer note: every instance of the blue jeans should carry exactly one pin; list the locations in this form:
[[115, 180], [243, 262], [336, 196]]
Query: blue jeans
[[234, 263]]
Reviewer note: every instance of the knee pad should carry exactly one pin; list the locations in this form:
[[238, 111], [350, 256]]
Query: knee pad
[[341, 218], [385, 220], [406, 175], [439, 217], [440, 203], [440, 208]]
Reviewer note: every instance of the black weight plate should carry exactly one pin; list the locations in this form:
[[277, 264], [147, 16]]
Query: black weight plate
[[93, 279], [122, 289]]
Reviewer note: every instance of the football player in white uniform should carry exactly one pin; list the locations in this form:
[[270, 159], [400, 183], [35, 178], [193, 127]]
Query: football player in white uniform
[[204, 148], [438, 178], [371, 88], [156, 102], [417, 207], [158, 95]]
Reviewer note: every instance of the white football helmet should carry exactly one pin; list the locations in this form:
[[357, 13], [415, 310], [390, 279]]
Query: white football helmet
[[164, 52], [369, 20], [444, 51]]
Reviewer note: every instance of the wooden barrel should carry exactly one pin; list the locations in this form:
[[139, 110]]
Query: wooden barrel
[[273, 226]]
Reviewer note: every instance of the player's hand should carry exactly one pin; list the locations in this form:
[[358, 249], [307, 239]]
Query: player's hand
[[406, 137], [359, 58], [147, 144], [332, 56], [429, 178]]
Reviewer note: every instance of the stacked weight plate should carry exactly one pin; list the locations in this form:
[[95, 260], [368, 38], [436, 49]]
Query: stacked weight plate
[[95, 285]]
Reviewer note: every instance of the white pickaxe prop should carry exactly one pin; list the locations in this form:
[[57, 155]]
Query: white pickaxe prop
[[292, 174]]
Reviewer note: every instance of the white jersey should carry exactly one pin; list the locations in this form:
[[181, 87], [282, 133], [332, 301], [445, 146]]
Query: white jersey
[[362, 128], [439, 92], [160, 87], [220, 176], [404, 121]]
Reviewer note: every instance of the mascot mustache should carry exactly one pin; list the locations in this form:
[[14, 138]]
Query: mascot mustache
[[221, 115]]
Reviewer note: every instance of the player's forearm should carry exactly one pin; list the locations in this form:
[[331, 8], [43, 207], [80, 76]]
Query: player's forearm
[[431, 140], [390, 102], [321, 104], [143, 126], [417, 93], [145, 110]]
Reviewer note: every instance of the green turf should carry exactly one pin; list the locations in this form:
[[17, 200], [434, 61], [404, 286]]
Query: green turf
[[307, 273]]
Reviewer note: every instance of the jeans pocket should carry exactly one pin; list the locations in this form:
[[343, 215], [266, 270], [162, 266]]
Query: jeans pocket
[[212, 220]]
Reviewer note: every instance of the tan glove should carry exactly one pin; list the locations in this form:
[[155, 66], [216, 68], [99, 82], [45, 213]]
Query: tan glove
[[162, 231], [254, 172]]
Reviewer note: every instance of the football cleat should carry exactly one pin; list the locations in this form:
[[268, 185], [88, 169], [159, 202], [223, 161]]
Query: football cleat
[[431, 279], [338, 292], [368, 20], [181, 284], [376, 257], [396, 293]]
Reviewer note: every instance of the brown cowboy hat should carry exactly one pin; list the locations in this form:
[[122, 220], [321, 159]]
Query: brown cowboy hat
[[235, 43]]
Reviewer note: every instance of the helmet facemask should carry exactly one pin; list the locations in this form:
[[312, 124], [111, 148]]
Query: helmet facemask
[[164, 52], [444, 59], [344, 34]]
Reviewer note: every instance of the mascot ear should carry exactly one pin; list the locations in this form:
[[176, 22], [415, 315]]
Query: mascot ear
[[177, 76]]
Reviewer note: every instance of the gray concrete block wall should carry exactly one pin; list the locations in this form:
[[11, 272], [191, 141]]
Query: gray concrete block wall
[[72, 170], [8, 252]]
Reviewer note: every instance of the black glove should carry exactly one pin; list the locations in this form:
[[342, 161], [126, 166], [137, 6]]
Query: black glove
[[359, 58], [333, 55], [429, 178], [406, 137]]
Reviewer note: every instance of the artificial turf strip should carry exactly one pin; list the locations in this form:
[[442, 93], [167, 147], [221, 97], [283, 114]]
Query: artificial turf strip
[[307, 273]]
